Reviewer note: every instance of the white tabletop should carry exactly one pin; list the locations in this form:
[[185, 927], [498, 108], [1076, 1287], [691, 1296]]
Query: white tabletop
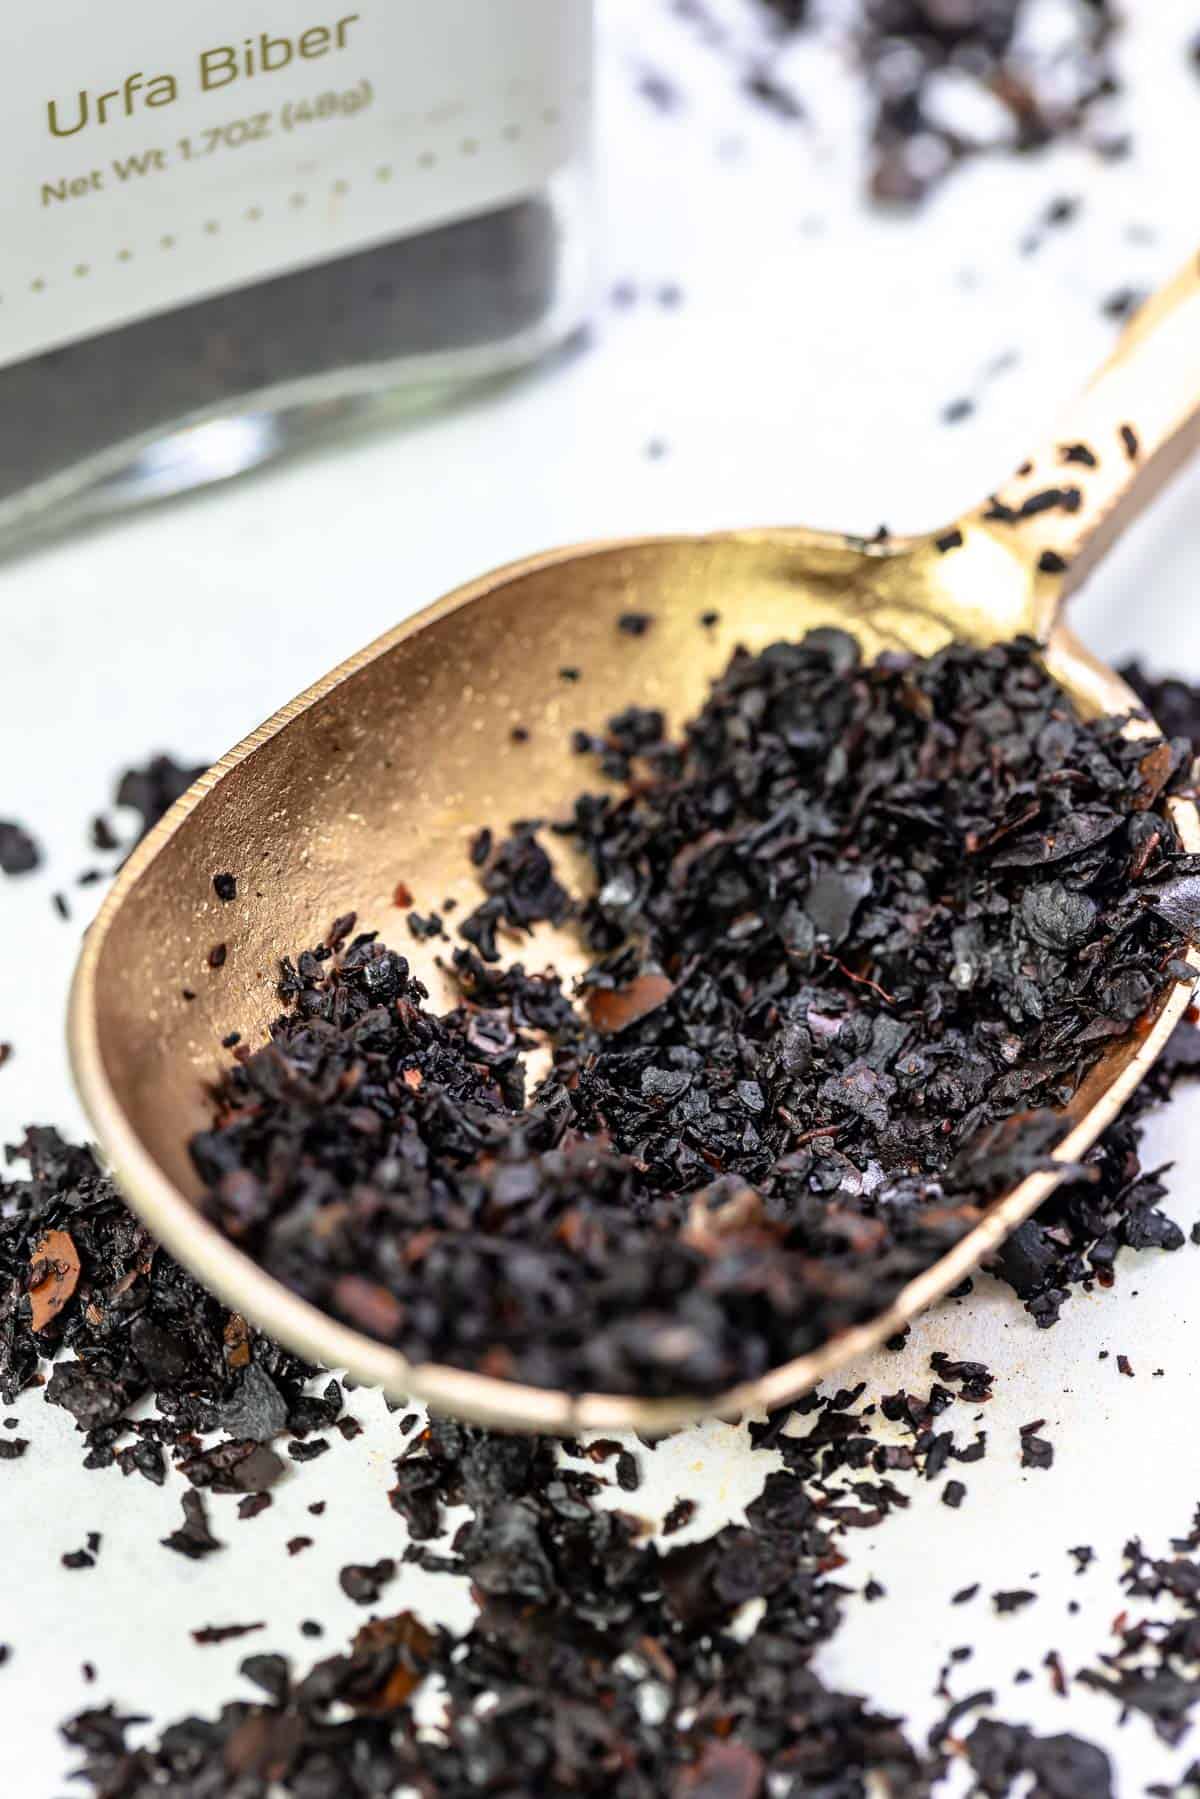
[[801, 377]]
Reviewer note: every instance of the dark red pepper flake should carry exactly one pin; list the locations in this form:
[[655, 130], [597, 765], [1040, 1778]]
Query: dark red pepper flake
[[1036, 1451], [1058, 1677], [223, 1633], [681, 1513], [635, 624], [19, 852], [1122, 303], [1080, 453], [152, 790], [193, 1538], [661, 92], [217, 955], [308, 1452], [1013, 1600], [364, 1582], [1000, 513], [1051, 499]]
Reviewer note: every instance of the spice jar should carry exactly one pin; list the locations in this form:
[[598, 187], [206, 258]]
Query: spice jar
[[232, 225]]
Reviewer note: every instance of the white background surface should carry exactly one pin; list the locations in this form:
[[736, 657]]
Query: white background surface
[[800, 379]]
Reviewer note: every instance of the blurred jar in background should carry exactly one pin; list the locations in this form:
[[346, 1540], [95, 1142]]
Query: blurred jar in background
[[232, 227]]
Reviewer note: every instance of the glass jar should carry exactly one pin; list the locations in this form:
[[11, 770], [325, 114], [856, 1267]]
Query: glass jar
[[233, 233]]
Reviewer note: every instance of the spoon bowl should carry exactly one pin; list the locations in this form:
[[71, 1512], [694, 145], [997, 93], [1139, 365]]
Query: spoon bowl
[[375, 779]]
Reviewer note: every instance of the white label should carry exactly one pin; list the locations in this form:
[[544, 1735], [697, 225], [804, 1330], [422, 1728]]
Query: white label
[[155, 151]]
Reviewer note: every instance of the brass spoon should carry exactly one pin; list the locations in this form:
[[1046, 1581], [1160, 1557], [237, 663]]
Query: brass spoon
[[376, 776]]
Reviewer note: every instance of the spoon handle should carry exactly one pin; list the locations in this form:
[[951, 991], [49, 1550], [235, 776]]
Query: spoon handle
[[1130, 429]]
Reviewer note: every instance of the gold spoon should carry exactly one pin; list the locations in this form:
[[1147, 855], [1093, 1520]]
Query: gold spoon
[[374, 779]]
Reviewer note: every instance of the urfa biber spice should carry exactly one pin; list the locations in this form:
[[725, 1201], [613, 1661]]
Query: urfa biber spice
[[856, 936], [93, 1311], [943, 81], [558, 1574], [600, 1661], [687, 1710]]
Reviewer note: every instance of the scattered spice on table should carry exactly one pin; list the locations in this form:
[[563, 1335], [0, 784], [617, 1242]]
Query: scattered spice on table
[[1154, 1668], [593, 1648], [1014, 1600], [599, 1661]]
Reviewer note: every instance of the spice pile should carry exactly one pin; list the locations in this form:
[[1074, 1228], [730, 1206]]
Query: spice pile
[[945, 80], [611, 1661], [601, 1662], [856, 936]]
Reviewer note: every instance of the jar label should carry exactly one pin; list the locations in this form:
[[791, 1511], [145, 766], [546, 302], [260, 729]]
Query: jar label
[[155, 154]]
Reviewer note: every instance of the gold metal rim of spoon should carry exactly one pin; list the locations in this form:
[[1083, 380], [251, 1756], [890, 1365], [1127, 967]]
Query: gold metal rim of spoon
[[140, 1053]]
